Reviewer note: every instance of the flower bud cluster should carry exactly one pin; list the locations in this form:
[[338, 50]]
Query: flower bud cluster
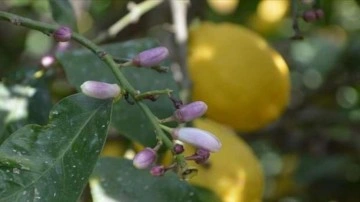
[[204, 141]]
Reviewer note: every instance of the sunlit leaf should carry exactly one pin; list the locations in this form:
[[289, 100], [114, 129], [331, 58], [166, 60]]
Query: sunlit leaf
[[53, 162]]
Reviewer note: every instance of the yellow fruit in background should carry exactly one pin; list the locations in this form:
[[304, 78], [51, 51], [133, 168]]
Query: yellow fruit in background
[[234, 174], [223, 7], [114, 148], [242, 79], [269, 15]]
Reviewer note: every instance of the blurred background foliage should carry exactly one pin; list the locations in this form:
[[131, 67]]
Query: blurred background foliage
[[310, 154]]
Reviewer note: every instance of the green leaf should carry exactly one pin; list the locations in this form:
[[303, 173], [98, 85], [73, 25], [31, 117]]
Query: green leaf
[[53, 162], [82, 65], [206, 195], [126, 183], [62, 12]]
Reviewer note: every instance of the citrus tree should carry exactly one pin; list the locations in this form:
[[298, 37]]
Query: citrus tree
[[154, 100]]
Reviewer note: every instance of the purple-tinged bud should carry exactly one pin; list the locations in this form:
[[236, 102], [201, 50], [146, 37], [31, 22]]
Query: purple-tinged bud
[[100, 90], [158, 170], [178, 149], [309, 16], [62, 34], [151, 57], [190, 111], [144, 158], [198, 138], [319, 13], [200, 156]]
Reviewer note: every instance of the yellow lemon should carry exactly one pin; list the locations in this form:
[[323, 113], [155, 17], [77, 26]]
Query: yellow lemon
[[114, 148], [269, 15], [234, 173], [223, 7], [242, 79]]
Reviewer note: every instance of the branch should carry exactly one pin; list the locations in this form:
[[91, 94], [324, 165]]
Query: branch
[[136, 11], [108, 59], [179, 14]]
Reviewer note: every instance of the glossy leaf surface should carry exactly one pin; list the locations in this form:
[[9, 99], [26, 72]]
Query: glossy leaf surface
[[126, 183], [53, 162]]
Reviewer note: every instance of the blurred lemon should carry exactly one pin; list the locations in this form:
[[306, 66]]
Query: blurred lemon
[[234, 172], [269, 15], [242, 79], [114, 148], [223, 7]]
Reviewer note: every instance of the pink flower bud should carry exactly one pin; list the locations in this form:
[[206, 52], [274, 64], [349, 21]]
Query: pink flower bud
[[190, 111], [178, 149], [100, 90], [151, 57], [199, 138], [62, 34], [200, 156], [309, 16], [144, 158], [158, 171]]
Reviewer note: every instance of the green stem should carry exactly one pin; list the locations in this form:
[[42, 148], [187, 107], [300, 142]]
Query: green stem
[[152, 93], [295, 23], [167, 129], [49, 29], [156, 125], [180, 158]]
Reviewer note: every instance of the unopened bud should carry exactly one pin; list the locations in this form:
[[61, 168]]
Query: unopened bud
[[203, 155], [200, 156], [309, 16], [178, 149], [144, 158], [199, 138], [151, 57], [158, 170], [100, 90], [190, 111], [62, 34]]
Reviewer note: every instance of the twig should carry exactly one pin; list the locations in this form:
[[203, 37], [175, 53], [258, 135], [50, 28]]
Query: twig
[[136, 11], [179, 12], [107, 58], [298, 35]]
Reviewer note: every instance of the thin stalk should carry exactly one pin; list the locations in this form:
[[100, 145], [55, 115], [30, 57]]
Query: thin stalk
[[152, 93]]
